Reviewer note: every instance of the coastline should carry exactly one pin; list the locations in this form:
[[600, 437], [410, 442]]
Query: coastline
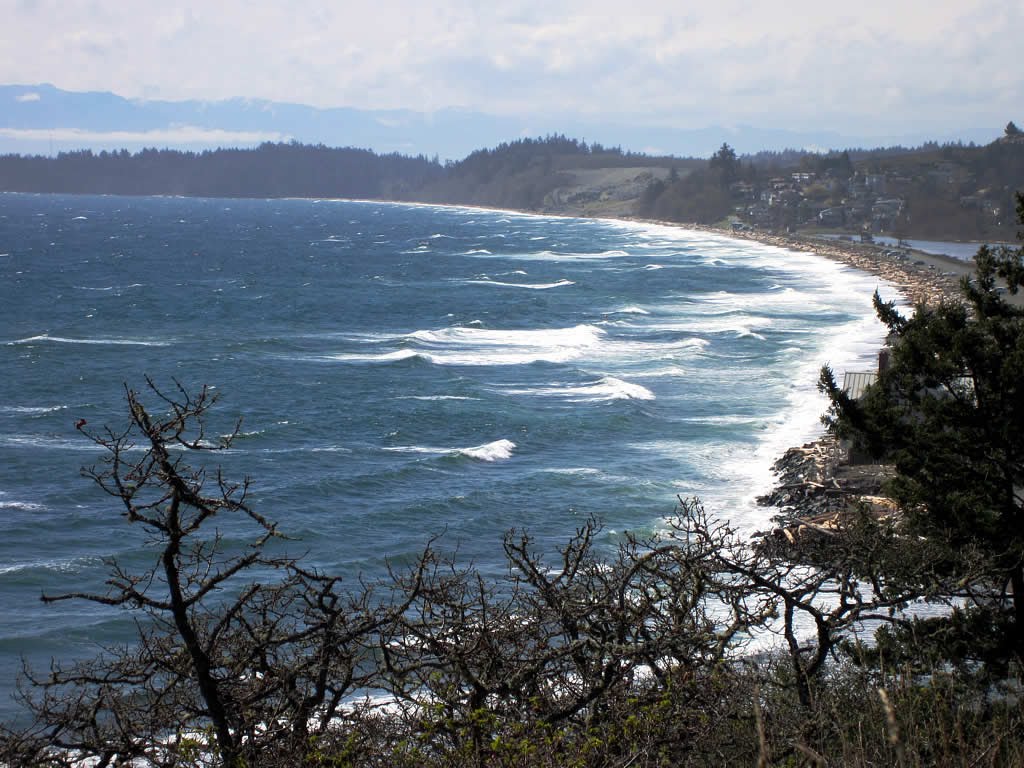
[[814, 482], [922, 278]]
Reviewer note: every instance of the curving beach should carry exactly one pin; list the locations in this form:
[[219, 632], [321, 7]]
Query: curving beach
[[921, 277]]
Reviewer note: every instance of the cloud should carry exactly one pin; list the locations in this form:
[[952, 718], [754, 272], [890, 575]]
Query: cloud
[[28, 96], [692, 63], [181, 135]]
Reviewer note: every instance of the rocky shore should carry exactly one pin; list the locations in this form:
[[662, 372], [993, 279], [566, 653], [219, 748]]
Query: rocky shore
[[816, 482], [921, 277], [817, 485]]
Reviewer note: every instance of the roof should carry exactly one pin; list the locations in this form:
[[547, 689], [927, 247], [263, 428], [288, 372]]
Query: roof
[[855, 382]]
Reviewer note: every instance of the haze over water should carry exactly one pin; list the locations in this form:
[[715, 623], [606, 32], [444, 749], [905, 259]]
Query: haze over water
[[402, 371]]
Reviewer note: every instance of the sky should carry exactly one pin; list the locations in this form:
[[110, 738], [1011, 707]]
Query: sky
[[879, 67]]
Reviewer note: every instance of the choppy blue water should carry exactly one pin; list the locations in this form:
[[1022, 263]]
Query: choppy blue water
[[401, 370]]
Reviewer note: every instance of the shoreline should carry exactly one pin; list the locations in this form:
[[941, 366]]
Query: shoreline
[[815, 482], [919, 276]]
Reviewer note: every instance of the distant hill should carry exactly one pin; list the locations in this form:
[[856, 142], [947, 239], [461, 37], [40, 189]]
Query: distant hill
[[43, 119], [952, 191]]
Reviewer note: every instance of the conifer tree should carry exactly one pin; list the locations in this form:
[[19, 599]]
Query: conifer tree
[[948, 413]]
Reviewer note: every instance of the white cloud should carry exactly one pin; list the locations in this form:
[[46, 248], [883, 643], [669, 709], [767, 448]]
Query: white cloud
[[688, 62], [28, 96]]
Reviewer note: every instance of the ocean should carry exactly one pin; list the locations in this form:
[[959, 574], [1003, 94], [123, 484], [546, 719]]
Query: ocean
[[402, 372]]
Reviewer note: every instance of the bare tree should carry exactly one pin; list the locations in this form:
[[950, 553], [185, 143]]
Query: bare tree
[[224, 664]]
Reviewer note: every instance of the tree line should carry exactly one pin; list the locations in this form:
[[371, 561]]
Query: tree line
[[270, 170], [514, 174]]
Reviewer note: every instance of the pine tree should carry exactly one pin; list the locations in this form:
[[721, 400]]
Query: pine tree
[[948, 413]]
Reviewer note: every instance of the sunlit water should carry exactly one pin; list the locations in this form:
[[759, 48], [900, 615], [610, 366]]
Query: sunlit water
[[402, 371]]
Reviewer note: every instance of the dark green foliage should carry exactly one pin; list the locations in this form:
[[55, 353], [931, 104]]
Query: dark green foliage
[[948, 413], [723, 163], [271, 170]]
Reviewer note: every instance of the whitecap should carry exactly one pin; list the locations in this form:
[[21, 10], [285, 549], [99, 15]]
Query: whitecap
[[31, 409], [330, 449], [602, 390], [66, 565], [477, 252], [547, 255], [25, 506], [629, 311], [46, 442], [63, 340], [742, 333], [419, 449], [725, 420], [383, 357], [671, 371], [496, 451], [478, 346], [531, 286]]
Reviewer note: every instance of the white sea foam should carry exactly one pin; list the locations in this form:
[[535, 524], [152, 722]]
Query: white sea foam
[[24, 506], [725, 420], [736, 323], [668, 371], [496, 451], [478, 346], [47, 442], [629, 311], [531, 286], [576, 471], [419, 449], [64, 565], [31, 409], [602, 390], [547, 255], [382, 357], [330, 449], [63, 340]]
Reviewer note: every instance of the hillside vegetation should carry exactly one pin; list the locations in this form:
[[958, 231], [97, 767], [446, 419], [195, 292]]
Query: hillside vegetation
[[941, 192]]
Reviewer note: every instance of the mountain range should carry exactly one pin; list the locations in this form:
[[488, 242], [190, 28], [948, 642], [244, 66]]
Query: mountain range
[[44, 119]]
